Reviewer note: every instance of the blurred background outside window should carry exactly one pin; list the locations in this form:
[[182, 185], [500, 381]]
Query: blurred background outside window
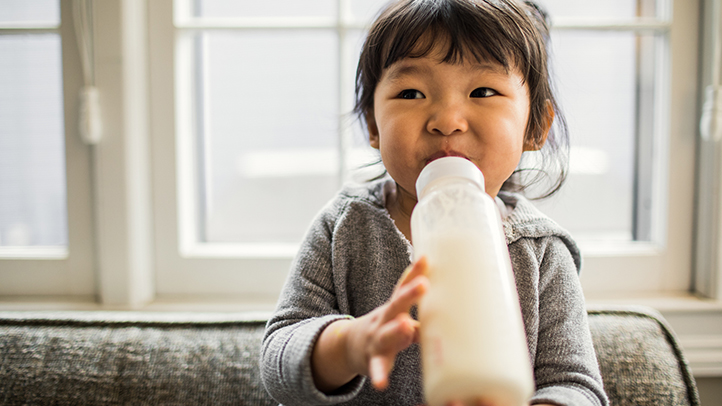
[[32, 149], [275, 140]]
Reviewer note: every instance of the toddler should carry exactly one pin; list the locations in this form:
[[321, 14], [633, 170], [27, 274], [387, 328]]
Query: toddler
[[436, 78]]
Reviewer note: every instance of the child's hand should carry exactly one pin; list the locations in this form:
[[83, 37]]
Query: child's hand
[[368, 345], [378, 336]]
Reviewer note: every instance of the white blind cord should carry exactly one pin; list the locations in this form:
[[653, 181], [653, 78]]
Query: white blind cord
[[89, 120], [711, 119]]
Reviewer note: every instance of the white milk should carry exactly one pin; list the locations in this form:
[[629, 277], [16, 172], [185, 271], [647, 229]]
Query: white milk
[[473, 344]]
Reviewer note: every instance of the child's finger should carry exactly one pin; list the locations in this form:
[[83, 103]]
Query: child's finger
[[417, 268], [396, 335], [379, 368], [406, 296], [460, 403], [404, 276]]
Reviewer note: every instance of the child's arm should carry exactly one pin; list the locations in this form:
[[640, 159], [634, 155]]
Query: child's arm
[[565, 365], [368, 345]]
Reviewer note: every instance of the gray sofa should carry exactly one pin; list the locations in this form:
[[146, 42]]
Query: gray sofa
[[135, 358]]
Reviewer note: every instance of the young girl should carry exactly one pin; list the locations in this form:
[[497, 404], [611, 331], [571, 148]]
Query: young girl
[[436, 78]]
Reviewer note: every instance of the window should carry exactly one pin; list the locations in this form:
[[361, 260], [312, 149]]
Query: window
[[609, 80], [264, 137], [631, 132], [45, 229], [235, 128]]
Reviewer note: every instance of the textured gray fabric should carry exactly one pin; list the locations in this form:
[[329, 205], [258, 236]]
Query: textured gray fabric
[[349, 264], [72, 358], [641, 361], [73, 361]]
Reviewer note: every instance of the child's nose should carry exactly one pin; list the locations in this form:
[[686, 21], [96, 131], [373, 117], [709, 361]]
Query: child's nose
[[447, 119]]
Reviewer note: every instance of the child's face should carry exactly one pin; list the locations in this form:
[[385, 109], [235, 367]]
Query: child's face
[[425, 109]]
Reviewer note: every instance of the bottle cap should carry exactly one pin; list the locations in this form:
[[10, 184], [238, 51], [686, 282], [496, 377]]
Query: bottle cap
[[445, 168]]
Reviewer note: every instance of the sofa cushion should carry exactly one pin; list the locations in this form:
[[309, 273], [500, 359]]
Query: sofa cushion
[[640, 358], [139, 358], [130, 359]]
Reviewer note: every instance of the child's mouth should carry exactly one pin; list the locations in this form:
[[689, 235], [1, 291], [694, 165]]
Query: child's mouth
[[442, 154]]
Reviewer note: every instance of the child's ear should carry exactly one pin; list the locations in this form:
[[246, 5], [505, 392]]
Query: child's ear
[[536, 143], [373, 129]]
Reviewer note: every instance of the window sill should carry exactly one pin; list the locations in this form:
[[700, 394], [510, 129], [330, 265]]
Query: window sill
[[233, 304], [662, 301]]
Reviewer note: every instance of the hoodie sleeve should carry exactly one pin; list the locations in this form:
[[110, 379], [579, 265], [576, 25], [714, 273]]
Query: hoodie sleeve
[[565, 365], [307, 305]]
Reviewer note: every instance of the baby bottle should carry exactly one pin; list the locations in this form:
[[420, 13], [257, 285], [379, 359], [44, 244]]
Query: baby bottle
[[473, 344]]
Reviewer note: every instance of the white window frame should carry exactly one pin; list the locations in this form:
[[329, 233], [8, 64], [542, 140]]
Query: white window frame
[[165, 262], [58, 271], [140, 247]]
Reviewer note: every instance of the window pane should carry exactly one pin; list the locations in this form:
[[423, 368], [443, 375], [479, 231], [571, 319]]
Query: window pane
[[32, 151], [269, 132], [607, 95], [255, 8], [611, 9], [606, 87], [30, 11], [362, 161], [364, 11]]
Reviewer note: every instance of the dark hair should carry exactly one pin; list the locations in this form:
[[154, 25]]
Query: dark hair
[[513, 34]]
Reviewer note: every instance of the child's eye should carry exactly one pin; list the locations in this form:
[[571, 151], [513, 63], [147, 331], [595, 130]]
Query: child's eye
[[483, 92], [411, 94]]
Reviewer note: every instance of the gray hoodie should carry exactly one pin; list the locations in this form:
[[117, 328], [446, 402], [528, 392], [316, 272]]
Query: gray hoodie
[[349, 263]]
